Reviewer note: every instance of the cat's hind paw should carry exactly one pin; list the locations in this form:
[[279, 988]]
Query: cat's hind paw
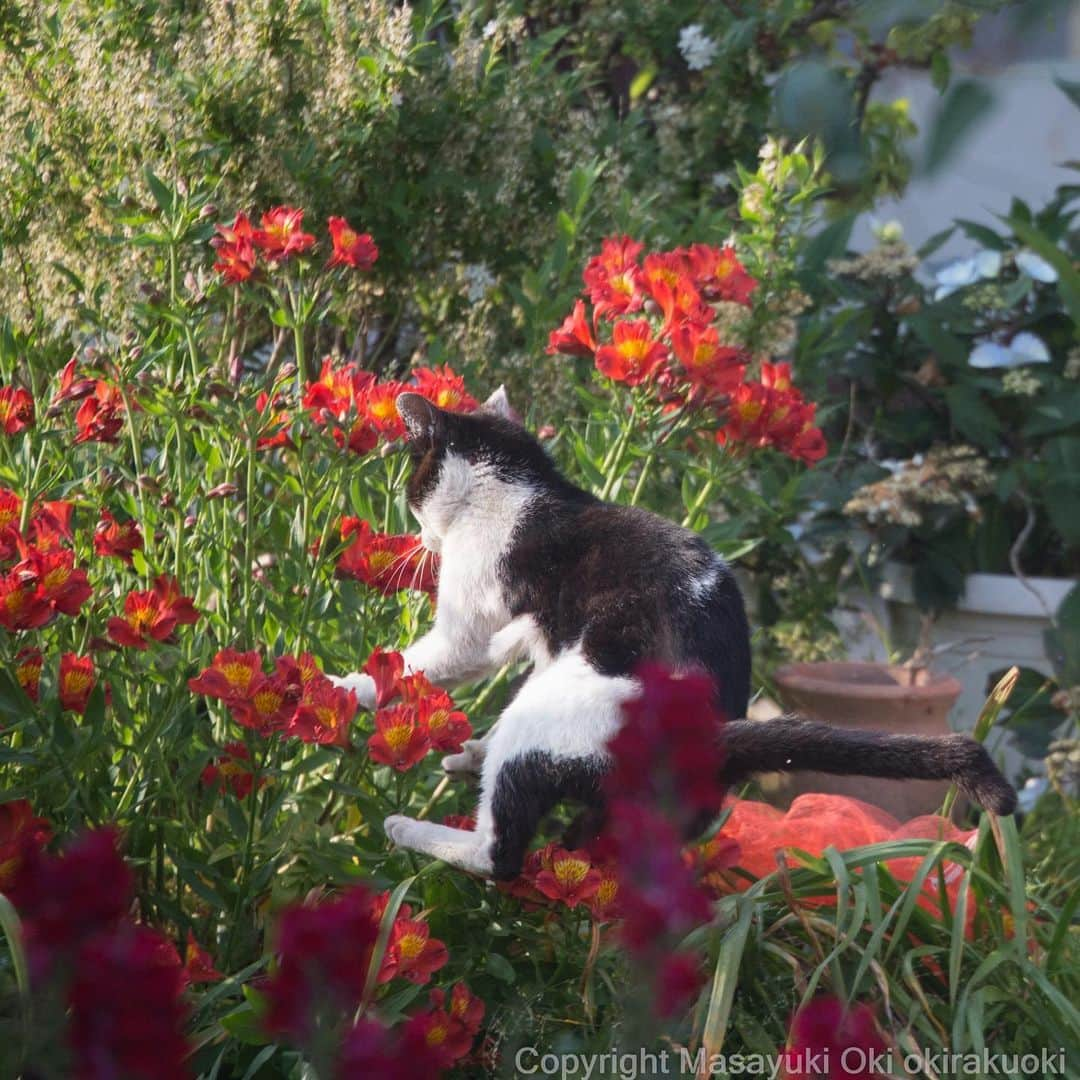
[[398, 828]]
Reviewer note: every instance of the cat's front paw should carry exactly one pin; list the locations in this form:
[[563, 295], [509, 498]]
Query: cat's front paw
[[362, 685], [469, 762], [399, 828]]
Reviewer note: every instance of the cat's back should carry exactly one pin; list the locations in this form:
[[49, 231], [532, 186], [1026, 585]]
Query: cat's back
[[626, 585]]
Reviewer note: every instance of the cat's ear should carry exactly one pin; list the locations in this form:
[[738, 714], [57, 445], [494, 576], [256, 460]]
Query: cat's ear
[[498, 404], [422, 418]]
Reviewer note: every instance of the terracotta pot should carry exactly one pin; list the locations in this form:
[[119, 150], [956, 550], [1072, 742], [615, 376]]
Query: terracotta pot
[[875, 697]]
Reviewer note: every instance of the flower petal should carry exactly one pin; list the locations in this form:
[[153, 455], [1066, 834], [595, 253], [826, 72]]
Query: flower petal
[[1030, 349], [1035, 266], [988, 354]]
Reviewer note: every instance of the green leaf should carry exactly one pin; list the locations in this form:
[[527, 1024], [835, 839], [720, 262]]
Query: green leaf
[[500, 967], [163, 196], [964, 108], [1068, 275]]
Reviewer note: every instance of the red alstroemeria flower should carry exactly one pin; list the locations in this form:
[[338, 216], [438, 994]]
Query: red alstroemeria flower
[[101, 416], [705, 361], [282, 235], [570, 877], [198, 963], [229, 677], [669, 267], [10, 514], [604, 903], [350, 247], [61, 584], [447, 727], [447, 1040], [332, 392], [575, 336], [77, 680], [712, 860], [72, 389], [19, 830], [412, 952], [151, 615], [442, 386], [50, 526], [465, 1007], [386, 562], [235, 249], [28, 665], [378, 403], [370, 1050], [275, 431], [679, 302], [270, 704], [232, 769], [325, 715], [400, 739], [22, 603], [386, 667], [822, 1030], [613, 278], [16, 410], [302, 670], [634, 355], [117, 539], [718, 273]]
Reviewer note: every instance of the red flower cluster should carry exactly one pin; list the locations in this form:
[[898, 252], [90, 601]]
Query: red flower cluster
[[451, 1024], [358, 410], [295, 699], [282, 236], [123, 987], [773, 413], [101, 415], [423, 720], [232, 769], [411, 953], [326, 949], [45, 581], [117, 539], [384, 561], [152, 615], [28, 664], [16, 410], [568, 877], [664, 781], [321, 949], [77, 681], [826, 1034], [374, 1052], [673, 344], [19, 831]]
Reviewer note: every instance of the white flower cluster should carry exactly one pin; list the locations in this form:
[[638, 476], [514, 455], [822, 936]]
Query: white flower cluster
[[697, 48], [950, 476], [478, 280]]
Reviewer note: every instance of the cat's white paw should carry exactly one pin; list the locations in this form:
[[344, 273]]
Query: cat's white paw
[[399, 828], [363, 685], [469, 762]]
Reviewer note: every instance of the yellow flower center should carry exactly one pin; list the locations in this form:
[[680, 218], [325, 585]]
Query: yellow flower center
[[57, 576], [267, 702], [634, 348], [438, 719], [75, 682], [380, 561], [749, 410], [237, 675], [397, 737], [436, 1034], [609, 889], [411, 945], [570, 872], [346, 238]]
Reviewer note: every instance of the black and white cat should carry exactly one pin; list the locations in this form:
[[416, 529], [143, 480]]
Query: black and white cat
[[534, 568]]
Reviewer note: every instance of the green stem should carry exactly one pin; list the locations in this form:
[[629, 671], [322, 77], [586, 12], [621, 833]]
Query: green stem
[[703, 494], [613, 464], [249, 533]]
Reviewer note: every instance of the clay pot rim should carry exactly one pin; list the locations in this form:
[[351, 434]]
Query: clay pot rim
[[814, 677]]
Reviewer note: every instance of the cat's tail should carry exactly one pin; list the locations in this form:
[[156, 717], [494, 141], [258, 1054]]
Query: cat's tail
[[793, 743]]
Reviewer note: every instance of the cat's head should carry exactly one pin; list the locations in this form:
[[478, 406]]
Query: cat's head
[[483, 461]]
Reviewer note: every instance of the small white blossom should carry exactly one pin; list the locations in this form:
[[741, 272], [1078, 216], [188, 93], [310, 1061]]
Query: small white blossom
[[697, 47], [1035, 266], [986, 264], [491, 28], [478, 279], [1024, 348]]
